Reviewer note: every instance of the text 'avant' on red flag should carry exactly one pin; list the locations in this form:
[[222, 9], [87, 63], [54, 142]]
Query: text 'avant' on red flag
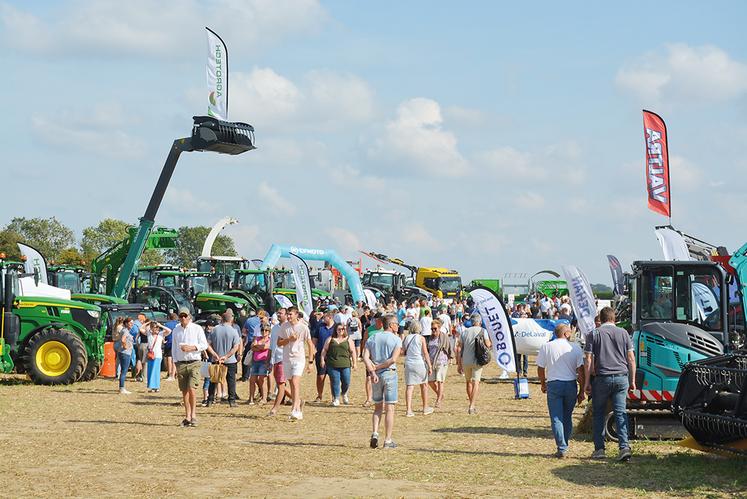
[[657, 164]]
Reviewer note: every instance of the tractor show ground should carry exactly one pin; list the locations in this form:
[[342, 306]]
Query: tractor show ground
[[86, 440]]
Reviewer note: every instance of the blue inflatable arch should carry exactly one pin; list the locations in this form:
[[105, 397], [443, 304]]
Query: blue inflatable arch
[[278, 251]]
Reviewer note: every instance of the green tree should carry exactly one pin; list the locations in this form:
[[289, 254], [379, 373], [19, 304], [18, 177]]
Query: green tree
[[151, 257], [70, 256], [48, 235], [8, 240], [189, 245], [103, 236]]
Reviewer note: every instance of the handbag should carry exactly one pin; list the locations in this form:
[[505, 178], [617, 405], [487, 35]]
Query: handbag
[[482, 353], [151, 353]]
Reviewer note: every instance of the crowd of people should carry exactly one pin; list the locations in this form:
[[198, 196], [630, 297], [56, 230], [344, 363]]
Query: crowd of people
[[273, 351]]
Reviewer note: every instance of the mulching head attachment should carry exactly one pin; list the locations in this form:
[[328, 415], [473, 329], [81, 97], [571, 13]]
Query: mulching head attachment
[[226, 137]]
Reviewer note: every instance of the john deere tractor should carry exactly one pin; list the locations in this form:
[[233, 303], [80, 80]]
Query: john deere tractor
[[54, 341]]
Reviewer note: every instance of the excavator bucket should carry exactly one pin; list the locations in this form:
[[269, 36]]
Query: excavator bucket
[[210, 134], [711, 401]]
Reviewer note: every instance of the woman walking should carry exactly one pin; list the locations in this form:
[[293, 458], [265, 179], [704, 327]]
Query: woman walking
[[339, 355], [417, 368], [439, 351], [156, 334], [123, 344], [260, 363]]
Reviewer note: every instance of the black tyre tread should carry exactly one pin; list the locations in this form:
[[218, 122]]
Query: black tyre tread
[[93, 368], [77, 351]]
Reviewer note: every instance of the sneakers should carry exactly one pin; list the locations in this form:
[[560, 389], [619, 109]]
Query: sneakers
[[598, 454], [410, 414], [427, 410], [296, 416], [559, 454], [206, 403], [185, 423], [624, 455], [124, 391], [231, 403], [390, 444], [336, 403], [472, 410], [345, 399], [193, 423], [374, 443]]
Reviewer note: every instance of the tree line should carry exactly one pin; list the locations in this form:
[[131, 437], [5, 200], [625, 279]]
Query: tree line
[[58, 244]]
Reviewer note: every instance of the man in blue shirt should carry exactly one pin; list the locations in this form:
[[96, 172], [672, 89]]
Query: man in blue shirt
[[318, 337], [380, 357], [251, 327]]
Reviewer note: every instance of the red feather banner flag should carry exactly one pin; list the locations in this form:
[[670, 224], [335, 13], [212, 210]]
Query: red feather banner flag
[[657, 164]]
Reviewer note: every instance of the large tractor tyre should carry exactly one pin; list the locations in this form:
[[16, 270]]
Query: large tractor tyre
[[93, 368], [610, 430], [55, 357]]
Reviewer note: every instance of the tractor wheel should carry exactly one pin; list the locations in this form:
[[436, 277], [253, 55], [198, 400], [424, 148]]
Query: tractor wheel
[[91, 371], [55, 357]]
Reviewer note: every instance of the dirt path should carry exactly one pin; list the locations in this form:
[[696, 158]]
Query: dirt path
[[86, 440]]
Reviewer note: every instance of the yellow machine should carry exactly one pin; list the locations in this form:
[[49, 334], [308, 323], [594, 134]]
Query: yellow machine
[[443, 283]]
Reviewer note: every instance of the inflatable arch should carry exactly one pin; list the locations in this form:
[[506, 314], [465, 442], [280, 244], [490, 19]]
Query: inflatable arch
[[277, 251]]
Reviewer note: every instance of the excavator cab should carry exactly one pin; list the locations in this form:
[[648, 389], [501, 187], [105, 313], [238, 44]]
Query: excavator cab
[[679, 316]]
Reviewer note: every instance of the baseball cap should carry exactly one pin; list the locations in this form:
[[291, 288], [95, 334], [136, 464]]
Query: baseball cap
[[184, 310]]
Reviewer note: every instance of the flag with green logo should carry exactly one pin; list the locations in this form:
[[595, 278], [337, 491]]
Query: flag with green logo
[[217, 76]]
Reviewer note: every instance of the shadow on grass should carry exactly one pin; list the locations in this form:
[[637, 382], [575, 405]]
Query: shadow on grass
[[678, 472], [15, 381], [107, 421], [88, 391], [293, 444], [495, 430], [459, 452], [171, 403]]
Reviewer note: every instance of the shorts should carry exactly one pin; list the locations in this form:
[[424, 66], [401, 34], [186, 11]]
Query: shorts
[[386, 389], [278, 373], [166, 351], [294, 368], [188, 374], [320, 371], [259, 368], [472, 372], [142, 352], [438, 373]]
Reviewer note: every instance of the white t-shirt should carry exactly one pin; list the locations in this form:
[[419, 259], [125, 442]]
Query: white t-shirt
[[446, 327], [277, 351], [425, 323], [156, 342], [294, 351], [560, 358]]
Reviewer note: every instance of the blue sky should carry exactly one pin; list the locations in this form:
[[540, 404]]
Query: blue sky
[[491, 137]]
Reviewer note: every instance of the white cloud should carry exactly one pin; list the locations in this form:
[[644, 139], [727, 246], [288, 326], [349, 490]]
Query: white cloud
[[418, 235], [94, 136], [345, 240], [560, 162], [183, 201], [340, 95], [685, 74], [512, 163], [684, 174], [416, 140], [530, 200], [347, 176], [274, 199], [156, 28], [264, 95], [247, 239], [464, 117]]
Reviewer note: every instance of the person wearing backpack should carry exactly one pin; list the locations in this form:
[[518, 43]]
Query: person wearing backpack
[[471, 347], [355, 330]]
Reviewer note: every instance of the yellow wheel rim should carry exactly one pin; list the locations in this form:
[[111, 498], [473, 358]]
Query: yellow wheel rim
[[53, 358]]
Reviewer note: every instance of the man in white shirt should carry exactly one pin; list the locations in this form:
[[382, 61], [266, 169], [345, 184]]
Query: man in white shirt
[[293, 336], [445, 321], [560, 365], [188, 340], [276, 358]]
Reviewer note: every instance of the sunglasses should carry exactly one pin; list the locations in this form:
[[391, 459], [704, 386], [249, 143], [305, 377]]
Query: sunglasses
[[434, 329], [182, 316]]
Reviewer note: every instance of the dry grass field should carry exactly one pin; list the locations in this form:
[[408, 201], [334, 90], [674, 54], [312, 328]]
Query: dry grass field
[[87, 440]]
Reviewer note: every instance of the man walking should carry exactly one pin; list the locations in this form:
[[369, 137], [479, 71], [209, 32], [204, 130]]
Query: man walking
[[224, 342], [380, 357], [294, 335], [188, 344], [559, 364], [318, 338], [466, 360], [276, 356], [610, 359]]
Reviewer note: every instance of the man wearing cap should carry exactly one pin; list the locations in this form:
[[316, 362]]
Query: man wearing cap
[[188, 344], [466, 360]]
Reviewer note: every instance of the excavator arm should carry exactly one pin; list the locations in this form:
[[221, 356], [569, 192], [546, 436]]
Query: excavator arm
[[396, 261]]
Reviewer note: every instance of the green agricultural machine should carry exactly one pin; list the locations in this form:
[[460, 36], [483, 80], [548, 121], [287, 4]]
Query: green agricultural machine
[[54, 341], [166, 288], [77, 280]]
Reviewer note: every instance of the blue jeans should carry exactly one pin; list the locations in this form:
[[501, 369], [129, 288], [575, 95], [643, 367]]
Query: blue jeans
[[561, 397], [339, 375], [124, 360], [604, 388]]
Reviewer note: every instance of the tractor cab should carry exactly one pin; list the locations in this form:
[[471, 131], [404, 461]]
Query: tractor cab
[[679, 315], [221, 270]]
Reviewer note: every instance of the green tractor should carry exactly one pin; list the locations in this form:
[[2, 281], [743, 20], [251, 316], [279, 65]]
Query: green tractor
[[77, 280], [168, 288], [54, 341]]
